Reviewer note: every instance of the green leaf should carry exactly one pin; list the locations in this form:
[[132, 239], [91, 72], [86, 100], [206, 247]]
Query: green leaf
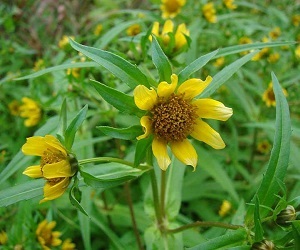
[[119, 100], [258, 229], [117, 65], [225, 74], [296, 233], [232, 238], [58, 68], [141, 150], [279, 158], [74, 126], [62, 124], [109, 175], [75, 196], [129, 133], [161, 61], [195, 66]]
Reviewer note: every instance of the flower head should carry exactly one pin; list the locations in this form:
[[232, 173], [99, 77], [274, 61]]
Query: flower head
[[225, 208], [3, 238], [98, 30], [273, 57], [171, 8], [64, 41], [133, 30], [209, 12], [263, 147], [297, 52], [275, 33], [46, 237], [30, 110], [230, 4], [173, 114], [14, 107], [219, 62], [57, 166], [296, 20], [269, 96], [68, 245]]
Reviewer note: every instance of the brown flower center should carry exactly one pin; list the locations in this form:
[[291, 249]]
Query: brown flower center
[[271, 95], [50, 157], [172, 6], [173, 118]]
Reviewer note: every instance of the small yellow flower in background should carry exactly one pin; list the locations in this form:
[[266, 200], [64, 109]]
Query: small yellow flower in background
[[75, 72], [173, 114], [219, 62], [269, 96], [38, 65], [46, 237], [98, 30], [171, 8], [274, 57], [245, 40], [296, 20], [230, 4], [3, 238], [57, 166], [64, 41], [30, 110], [209, 12], [225, 208], [133, 30], [68, 245], [14, 108], [275, 33], [263, 147], [297, 51]]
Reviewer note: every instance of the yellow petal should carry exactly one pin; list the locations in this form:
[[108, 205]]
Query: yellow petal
[[165, 89], [35, 145], [160, 152], [34, 172], [147, 126], [204, 132], [58, 169], [180, 39], [185, 152], [55, 143], [193, 87], [212, 109], [52, 192], [155, 30], [168, 27], [144, 98]]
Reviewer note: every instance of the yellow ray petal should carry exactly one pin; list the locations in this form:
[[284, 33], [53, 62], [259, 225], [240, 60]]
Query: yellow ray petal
[[52, 192], [155, 30], [33, 171], [212, 109], [193, 87], [180, 39], [58, 169], [55, 143], [168, 27], [160, 152], [146, 123], [165, 89], [185, 152], [35, 145], [144, 98], [204, 132]]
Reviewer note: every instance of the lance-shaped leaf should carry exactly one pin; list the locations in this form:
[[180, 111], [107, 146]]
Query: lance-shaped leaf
[[75, 196], [129, 133], [279, 158], [258, 229], [117, 65], [141, 150], [161, 61], [119, 100]]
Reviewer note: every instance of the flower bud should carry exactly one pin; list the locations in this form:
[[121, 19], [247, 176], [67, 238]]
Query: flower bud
[[286, 215], [263, 245]]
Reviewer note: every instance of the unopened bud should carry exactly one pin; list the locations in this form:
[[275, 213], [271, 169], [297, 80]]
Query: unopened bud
[[263, 245], [286, 215]]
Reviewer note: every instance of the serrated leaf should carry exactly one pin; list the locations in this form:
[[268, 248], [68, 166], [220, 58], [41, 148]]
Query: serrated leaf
[[279, 158], [161, 61], [117, 65], [74, 126], [225, 74], [75, 196], [129, 133], [195, 66], [141, 150], [119, 100]]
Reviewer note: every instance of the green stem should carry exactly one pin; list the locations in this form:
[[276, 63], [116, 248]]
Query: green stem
[[105, 159], [163, 193], [155, 198], [203, 224]]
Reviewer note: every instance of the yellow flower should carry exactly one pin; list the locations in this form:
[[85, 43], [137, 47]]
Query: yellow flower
[[225, 208], [230, 4], [57, 166], [219, 62], [14, 107], [275, 33], [244, 40], [3, 238], [75, 72], [30, 110], [274, 57], [68, 245], [297, 51], [98, 30], [263, 147], [171, 8], [261, 54], [164, 36], [209, 12], [173, 114], [296, 20], [133, 30], [46, 237], [39, 64], [269, 96], [64, 41]]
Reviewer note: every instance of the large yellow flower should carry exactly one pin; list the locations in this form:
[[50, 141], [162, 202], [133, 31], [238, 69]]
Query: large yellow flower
[[46, 237], [56, 165], [30, 110], [174, 114], [170, 8]]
